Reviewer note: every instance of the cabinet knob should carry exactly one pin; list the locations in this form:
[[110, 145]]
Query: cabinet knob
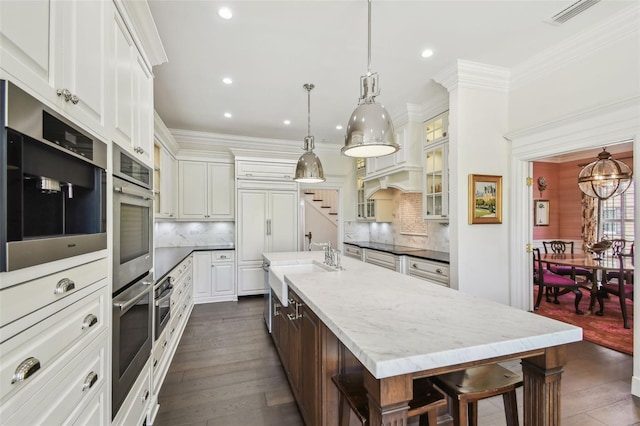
[[414, 265], [75, 99], [439, 271], [65, 93]]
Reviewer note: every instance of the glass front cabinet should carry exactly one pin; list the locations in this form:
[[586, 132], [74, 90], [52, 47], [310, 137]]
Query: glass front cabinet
[[435, 157]]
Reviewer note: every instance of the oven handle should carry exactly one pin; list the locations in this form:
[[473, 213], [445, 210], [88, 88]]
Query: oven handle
[[165, 298], [129, 303], [145, 195]]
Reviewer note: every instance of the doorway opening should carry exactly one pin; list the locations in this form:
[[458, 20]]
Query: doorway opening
[[320, 217]]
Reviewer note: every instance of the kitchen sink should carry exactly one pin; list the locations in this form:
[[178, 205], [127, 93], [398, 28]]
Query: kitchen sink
[[277, 274]]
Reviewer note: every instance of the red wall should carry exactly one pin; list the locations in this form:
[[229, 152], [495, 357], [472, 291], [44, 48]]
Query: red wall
[[565, 208]]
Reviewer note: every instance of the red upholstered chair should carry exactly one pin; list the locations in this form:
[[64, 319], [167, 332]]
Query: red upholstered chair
[[544, 278], [561, 247], [618, 282]]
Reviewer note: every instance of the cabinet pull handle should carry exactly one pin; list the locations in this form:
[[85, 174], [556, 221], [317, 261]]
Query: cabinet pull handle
[[145, 396], [64, 285], [164, 345], [414, 265], [291, 317], [91, 380], [89, 321], [25, 370], [155, 363]]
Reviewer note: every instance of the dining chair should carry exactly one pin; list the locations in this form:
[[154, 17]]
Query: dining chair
[[562, 247], [620, 282], [545, 279]]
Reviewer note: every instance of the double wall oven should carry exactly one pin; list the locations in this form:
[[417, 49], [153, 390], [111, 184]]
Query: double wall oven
[[133, 299]]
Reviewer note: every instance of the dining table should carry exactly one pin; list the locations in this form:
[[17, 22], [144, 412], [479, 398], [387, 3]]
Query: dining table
[[599, 266]]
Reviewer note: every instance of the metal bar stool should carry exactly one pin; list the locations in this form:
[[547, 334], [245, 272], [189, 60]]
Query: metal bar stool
[[469, 386], [353, 396]]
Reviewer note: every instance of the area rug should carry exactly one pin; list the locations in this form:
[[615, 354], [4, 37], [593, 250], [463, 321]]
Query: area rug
[[606, 330]]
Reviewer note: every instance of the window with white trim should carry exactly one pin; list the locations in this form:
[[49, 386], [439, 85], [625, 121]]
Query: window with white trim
[[617, 216]]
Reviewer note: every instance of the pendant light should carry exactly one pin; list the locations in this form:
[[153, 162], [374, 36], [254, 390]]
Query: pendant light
[[370, 129], [605, 177], [309, 167]]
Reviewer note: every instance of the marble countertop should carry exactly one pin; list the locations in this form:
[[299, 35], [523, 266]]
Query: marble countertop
[[395, 324], [438, 256], [167, 258]]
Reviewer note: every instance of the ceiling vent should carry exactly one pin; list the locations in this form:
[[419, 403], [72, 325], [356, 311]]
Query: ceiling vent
[[571, 11]]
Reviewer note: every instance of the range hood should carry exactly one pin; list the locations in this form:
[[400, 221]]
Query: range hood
[[406, 179]]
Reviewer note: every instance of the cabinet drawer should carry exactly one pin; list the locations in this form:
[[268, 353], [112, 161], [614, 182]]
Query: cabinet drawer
[[380, 258], [260, 170], [22, 299], [182, 269], [76, 379], [223, 256], [48, 339], [434, 271], [94, 413], [135, 407], [353, 251]]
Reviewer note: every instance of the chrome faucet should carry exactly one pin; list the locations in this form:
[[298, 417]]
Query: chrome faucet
[[328, 252]]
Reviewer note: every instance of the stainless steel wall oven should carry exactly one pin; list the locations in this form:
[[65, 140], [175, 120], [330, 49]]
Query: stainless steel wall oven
[[132, 219], [52, 186], [132, 319]]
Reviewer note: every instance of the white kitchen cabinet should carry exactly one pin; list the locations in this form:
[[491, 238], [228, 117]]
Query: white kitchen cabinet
[[435, 163], [133, 94], [428, 270], [165, 178], [135, 408], [267, 222], [206, 190], [214, 276], [61, 54]]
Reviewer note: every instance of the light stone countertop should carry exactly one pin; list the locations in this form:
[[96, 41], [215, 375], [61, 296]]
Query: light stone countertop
[[395, 324]]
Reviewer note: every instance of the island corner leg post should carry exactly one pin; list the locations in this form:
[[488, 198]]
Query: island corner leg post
[[542, 376], [388, 399]]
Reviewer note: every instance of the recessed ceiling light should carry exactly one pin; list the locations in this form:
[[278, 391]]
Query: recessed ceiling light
[[287, 122], [228, 114], [339, 127], [225, 13], [227, 80], [427, 53]]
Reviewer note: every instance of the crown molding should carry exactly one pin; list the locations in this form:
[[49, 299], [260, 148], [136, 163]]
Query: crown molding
[[474, 75], [163, 135], [139, 20], [595, 127], [618, 27]]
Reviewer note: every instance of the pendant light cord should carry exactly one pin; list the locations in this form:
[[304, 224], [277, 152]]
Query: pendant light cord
[[309, 110], [369, 41]]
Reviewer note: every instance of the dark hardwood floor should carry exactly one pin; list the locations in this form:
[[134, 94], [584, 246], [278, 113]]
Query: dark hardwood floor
[[226, 372]]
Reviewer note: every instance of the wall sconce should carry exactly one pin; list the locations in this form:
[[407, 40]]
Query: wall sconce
[[542, 185]]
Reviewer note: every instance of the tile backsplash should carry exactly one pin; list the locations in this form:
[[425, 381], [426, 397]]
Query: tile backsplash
[[187, 234], [406, 229]]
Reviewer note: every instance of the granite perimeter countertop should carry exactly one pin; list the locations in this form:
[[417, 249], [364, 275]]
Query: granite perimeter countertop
[[438, 256], [167, 258]]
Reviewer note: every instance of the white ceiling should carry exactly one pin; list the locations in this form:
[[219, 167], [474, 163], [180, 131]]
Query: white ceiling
[[271, 48]]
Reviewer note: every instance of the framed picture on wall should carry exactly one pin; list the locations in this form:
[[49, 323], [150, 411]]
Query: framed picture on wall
[[485, 199], [541, 213]]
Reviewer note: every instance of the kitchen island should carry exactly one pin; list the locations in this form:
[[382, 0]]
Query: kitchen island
[[399, 328]]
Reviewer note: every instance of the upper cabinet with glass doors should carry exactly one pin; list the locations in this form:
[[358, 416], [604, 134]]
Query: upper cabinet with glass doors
[[435, 158]]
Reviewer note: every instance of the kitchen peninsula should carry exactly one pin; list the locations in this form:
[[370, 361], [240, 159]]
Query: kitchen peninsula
[[399, 328]]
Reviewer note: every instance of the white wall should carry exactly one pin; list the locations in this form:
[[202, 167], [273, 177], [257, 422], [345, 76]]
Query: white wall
[[594, 69], [479, 253]]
